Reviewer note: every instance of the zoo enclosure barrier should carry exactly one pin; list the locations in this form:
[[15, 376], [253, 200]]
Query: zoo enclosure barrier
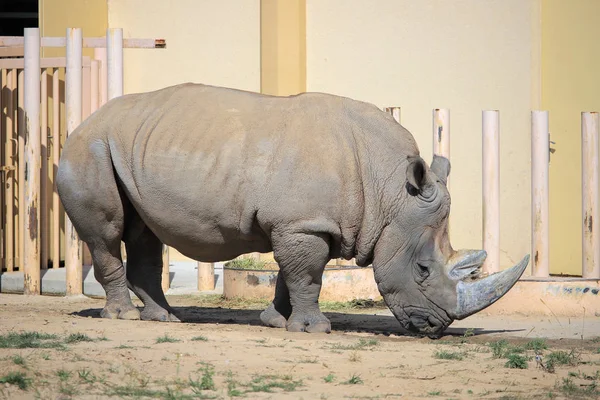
[[42, 101], [35, 228]]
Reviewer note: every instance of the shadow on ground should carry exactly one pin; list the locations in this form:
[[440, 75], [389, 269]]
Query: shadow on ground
[[340, 322]]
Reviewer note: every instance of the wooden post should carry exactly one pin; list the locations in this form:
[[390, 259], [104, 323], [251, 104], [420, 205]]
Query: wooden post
[[540, 158], [21, 165], [94, 83], [9, 183], [31, 214], [44, 172], [491, 190], [441, 132], [165, 281], [73, 248], [395, 111], [114, 50], [206, 276], [100, 55], [55, 158], [590, 130]]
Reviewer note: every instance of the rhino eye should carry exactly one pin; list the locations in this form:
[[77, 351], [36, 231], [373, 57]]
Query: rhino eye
[[422, 272]]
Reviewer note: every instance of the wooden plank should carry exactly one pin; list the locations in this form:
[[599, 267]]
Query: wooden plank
[[55, 157], [49, 62], [96, 42], [8, 86], [11, 52], [44, 171], [21, 165]]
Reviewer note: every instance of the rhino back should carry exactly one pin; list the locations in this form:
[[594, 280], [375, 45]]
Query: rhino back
[[213, 171]]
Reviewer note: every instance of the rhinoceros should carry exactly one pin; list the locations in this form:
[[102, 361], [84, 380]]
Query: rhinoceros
[[217, 172]]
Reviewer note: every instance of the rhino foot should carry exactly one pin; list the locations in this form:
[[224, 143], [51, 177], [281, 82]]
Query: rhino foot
[[311, 323], [150, 313], [117, 311], [271, 317]]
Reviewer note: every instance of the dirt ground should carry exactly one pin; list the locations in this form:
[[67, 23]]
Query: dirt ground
[[221, 351]]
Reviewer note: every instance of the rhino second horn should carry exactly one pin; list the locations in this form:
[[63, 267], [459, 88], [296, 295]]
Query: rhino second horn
[[475, 296]]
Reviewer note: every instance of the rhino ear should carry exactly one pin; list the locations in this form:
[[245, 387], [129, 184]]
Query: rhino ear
[[416, 175], [441, 167]]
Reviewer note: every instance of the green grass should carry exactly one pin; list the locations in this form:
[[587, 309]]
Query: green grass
[[516, 361], [354, 380], [434, 393], [16, 378], [537, 345], [63, 374], [247, 263], [362, 344], [206, 382], [448, 355], [563, 358], [18, 360], [86, 376], [499, 348], [29, 340], [166, 339], [329, 378], [200, 338], [78, 338], [266, 383]]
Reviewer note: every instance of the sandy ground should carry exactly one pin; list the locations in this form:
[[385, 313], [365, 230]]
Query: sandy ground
[[222, 351]]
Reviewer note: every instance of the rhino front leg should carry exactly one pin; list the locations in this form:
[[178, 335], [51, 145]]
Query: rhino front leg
[[144, 270], [302, 258], [280, 309]]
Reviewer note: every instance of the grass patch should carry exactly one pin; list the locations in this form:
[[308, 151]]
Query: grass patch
[[29, 340], [537, 345], [266, 383], [247, 263], [63, 374], [571, 389], [563, 358], [499, 348], [78, 338], [354, 380], [166, 339], [448, 355], [16, 378], [516, 361], [200, 339], [354, 357], [329, 378], [362, 344], [206, 382], [434, 393], [18, 360]]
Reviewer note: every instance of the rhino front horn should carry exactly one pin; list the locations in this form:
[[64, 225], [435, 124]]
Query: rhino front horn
[[475, 296]]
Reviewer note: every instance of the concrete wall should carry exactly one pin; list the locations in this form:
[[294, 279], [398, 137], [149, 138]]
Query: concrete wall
[[215, 42], [466, 55], [570, 84]]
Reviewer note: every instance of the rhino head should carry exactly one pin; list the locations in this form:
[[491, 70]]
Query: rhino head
[[423, 280]]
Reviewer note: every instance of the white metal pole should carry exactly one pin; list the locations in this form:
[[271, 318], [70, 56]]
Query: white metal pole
[[165, 278], [395, 111], [590, 127], [73, 246], [94, 83], [55, 157], [31, 213], [540, 158], [491, 189], [114, 50]]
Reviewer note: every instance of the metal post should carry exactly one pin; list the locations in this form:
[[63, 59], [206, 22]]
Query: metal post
[[114, 49], [491, 190], [540, 157], [73, 247], [591, 201], [206, 276], [31, 213]]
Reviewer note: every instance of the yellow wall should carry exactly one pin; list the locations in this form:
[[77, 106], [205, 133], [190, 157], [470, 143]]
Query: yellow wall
[[570, 85], [212, 42], [465, 55], [58, 15], [283, 47]]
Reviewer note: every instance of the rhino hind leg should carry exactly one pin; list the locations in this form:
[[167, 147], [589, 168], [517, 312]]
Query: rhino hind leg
[[280, 309], [302, 258], [144, 271]]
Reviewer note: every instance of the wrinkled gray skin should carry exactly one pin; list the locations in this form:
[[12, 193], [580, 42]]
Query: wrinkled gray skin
[[216, 173]]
